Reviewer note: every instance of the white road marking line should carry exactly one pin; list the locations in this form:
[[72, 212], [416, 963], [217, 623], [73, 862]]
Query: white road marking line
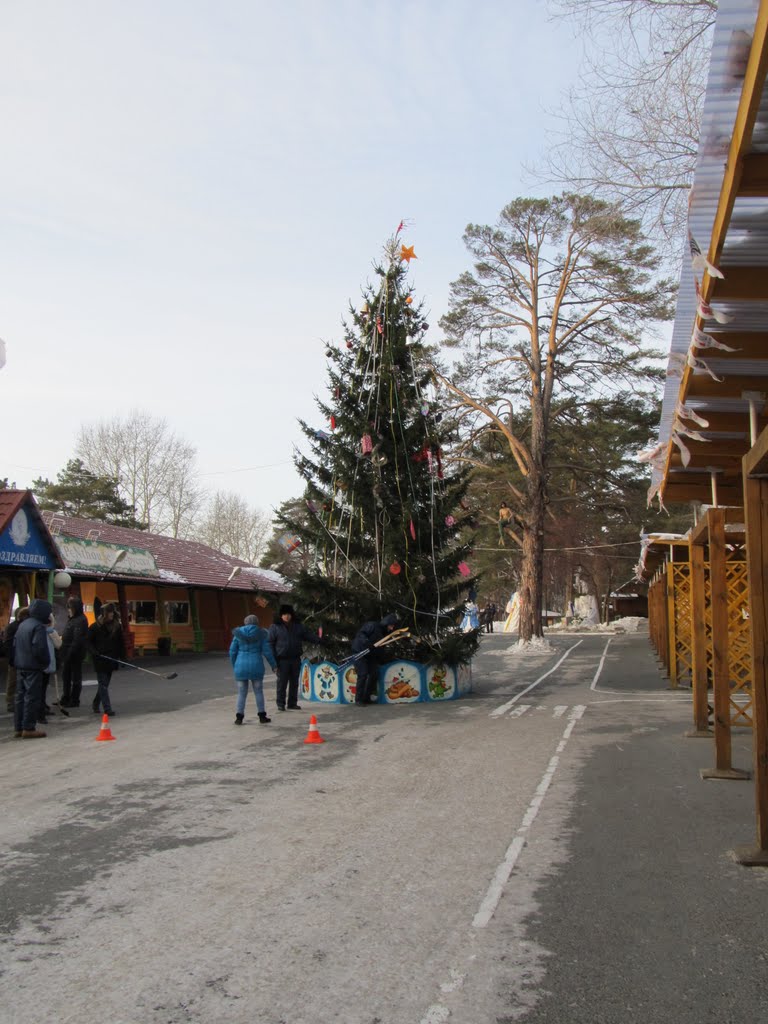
[[520, 710], [560, 709], [593, 685], [497, 712], [501, 877]]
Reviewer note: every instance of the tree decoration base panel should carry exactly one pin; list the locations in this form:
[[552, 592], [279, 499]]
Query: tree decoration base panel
[[399, 682]]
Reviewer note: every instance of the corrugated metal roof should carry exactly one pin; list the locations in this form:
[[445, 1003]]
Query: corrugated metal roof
[[746, 239]]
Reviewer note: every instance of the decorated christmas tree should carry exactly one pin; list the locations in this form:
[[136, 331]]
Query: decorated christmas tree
[[389, 525]]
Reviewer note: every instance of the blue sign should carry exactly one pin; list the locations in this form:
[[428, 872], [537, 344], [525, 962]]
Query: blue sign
[[22, 545]]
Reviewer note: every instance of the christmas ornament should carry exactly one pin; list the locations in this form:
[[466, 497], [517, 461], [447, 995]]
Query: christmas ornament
[[312, 507], [366, 444], [395, 569], [412, 529], [425, 408], [289, 541], [333, 422], [450, 521], [349, 343], [379, 326], [321, 435], [464, 569], [408, 299], [407, 253]]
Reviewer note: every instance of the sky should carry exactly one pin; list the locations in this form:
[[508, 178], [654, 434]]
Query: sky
[[191, 192]]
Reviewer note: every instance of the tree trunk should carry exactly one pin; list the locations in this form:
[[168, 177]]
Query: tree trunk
[[532, 571]]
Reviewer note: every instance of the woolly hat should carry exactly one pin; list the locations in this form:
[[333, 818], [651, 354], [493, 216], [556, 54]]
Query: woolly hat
[[250, 620], [286, 609]]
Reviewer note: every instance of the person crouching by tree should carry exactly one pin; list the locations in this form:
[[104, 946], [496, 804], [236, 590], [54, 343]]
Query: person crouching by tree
[[286, 638], [74, 645], [366, 666], [31, 658], [249, 648], [105, 644]]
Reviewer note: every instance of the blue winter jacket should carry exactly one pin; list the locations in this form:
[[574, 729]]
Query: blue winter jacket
[[247, 651]]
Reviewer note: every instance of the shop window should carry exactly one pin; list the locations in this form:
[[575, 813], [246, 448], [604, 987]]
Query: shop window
[[142, 613], [177, 613]]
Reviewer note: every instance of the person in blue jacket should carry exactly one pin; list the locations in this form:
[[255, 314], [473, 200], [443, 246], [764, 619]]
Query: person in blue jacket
[[31, 657], [247, 652]]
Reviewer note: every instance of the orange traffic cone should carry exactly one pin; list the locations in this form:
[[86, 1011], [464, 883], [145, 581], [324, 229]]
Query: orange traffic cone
[[105, 733], [313, 736]]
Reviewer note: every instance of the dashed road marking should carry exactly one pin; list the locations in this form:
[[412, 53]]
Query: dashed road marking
[[498, 712]]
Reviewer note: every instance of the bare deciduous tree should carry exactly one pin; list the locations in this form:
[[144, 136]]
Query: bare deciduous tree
[[155, 468], [230, 524], [631, 128], [561, 296]]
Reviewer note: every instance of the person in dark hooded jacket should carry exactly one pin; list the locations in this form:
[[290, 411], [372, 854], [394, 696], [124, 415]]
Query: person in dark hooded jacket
[[105, 644], [366, 637], [31, 657], [73, 650], [286, 638]]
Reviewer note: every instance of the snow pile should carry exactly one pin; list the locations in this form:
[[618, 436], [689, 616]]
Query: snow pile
[[629, 624]]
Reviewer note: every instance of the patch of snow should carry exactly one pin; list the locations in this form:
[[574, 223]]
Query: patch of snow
[[171, 576]]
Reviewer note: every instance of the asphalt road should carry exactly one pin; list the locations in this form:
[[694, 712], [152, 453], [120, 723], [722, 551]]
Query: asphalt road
[[542, 850]]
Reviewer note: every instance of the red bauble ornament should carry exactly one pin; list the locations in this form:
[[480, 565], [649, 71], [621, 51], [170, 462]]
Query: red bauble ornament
[[333, 422], [395, 569]]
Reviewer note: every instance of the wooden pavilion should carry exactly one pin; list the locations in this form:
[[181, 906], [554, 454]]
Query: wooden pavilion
[[708, 594]]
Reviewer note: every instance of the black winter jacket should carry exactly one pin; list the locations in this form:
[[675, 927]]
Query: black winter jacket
[[286, 639], [30, 645], [74, 639], [106, 643], [371, 632]]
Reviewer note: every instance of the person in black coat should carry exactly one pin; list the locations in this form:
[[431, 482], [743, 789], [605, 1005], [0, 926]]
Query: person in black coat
[[366, 637], [105, 643], [31, 657], [10, 632], [286, 638], [73, 650]]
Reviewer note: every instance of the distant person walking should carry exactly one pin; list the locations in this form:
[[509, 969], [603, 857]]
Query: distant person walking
[[31, 658], [73, 650], [249, 647], [286, 638], [105, 644]]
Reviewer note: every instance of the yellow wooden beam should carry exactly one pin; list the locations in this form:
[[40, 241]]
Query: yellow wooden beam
[[756, 459]]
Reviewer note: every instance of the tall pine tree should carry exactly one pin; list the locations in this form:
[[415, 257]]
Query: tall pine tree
[[388, 529]]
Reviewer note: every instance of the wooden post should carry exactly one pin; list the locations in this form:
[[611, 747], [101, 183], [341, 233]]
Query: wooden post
[[721, 675], [199, 635], [699, 679], [756, 518], [671, 631]]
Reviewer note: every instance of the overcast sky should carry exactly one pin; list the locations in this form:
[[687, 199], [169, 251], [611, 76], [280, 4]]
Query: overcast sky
[[191, 191]]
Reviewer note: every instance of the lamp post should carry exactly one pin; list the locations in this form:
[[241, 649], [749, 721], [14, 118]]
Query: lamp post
[[120, 555]]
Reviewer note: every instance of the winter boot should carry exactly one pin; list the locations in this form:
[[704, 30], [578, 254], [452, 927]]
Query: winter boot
[[32, 734], [239, 719], [263, 718]]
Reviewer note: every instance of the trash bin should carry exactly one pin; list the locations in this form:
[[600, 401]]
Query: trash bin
[[164, 645]]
